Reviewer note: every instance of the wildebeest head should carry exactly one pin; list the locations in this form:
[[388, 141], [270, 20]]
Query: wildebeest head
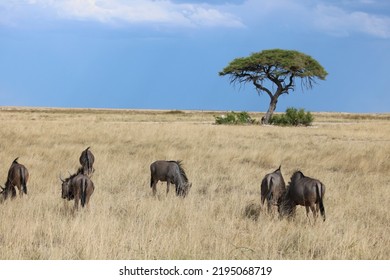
[[66, 190], [8, 191], [184, 189], [3, 193]]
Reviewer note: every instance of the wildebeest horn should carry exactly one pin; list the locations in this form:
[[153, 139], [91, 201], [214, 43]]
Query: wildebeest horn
[[62, 180]]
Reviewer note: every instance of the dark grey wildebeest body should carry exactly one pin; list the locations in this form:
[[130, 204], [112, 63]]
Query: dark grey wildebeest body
[[87, 160], [272, 187], [303, 191], [17, 177], [78, 187], [171, 172]]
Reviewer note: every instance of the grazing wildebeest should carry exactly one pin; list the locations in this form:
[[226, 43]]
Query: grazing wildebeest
[[171, 172], [17, 177], [86, 160], [272, 187], [303, 191], [78, 187]]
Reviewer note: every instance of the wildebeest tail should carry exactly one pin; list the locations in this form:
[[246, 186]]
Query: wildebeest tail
[[83, 191], [23, 179], [319, 187], [89, 163], [270, 186], [152, 172]]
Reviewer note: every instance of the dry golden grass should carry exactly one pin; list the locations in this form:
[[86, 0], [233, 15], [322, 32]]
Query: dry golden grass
[[220, 218]]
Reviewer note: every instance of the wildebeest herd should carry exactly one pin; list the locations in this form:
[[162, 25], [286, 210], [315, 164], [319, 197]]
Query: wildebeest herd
[[301, 190]]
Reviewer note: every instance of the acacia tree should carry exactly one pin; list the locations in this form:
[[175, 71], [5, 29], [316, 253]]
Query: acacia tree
[[275, 69]]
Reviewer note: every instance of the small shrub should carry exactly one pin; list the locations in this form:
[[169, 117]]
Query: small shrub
[[293, 117], [234, 118], [174, 112]]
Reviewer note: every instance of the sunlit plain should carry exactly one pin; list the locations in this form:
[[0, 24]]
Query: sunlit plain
[[221, 217]]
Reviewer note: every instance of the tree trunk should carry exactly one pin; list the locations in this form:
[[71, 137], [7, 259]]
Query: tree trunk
[[271, 109]]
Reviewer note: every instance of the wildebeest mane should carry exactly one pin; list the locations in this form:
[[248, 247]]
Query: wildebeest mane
[[181, 169], [71, 176]]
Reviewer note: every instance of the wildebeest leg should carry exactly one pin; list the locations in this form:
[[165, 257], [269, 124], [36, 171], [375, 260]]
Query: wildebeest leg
[[13, 192], [269, 207], [307, 211], [19, 190], [76, 203], [154, 189], [262, 199], [313, 208], [168, 184], [22, 183], [153, 184], [178, 189], [87, 201]]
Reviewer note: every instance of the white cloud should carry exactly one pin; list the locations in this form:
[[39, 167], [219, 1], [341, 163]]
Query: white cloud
[[122, 12], [333, 17], [339, 18], [338, 21]]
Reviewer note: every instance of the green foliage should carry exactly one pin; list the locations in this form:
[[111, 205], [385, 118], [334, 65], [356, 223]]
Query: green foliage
[[175, 112], [293, 117], [234, 118], [278, 63]]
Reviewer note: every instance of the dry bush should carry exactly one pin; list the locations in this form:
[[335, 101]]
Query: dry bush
[[220, 218]]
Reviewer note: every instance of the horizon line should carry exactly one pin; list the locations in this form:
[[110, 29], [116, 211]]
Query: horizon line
[[10, 108]]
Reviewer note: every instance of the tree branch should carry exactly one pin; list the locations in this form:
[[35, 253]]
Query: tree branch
[[261, 88]]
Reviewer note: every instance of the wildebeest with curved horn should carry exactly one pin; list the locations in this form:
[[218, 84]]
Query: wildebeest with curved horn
[[171, 172], [303, 191], [87, 160], [272, 187], [78, 187], [17, 177]]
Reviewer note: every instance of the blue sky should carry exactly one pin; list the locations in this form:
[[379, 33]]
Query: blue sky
[[167, 54]]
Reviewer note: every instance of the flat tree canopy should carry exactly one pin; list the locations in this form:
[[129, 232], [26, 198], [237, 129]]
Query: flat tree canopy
[[280, 67]]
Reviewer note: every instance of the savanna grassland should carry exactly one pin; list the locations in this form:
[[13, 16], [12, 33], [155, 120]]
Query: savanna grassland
[[220, 218]]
